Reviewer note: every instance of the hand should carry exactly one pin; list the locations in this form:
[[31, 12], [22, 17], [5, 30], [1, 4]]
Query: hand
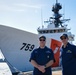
[[42, 69]]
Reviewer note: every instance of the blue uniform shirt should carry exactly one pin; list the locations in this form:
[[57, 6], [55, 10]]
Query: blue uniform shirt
[[42, 56], [69, 59]]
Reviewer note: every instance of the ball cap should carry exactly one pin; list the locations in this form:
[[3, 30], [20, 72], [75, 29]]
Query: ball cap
[[64, 35], [42, 37]]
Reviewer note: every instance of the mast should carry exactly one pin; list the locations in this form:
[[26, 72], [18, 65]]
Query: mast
[[56, 1], [56, 19], [56, 8]]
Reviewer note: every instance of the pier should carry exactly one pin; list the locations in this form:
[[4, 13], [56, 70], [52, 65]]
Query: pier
[[55, 71]]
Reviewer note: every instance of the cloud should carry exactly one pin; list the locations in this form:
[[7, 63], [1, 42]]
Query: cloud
[[18, 7], [30, 6], [5, 7]]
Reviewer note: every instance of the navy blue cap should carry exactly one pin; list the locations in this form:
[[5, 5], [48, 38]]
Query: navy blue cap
[[64, 35], [42, 37]]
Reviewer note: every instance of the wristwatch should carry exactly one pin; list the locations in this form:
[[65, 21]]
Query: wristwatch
[[45, 65]]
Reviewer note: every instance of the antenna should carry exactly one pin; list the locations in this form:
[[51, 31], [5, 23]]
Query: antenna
[[64, 12], [56, 1], [41, 18]]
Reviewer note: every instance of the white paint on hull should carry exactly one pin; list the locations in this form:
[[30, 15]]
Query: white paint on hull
[[11, 43]]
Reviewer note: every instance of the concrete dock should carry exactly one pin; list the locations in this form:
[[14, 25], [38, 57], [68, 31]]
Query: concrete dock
[[55, 71]]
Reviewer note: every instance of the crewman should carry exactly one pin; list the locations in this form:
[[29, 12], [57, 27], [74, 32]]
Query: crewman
[[68, 56], [42, 58]]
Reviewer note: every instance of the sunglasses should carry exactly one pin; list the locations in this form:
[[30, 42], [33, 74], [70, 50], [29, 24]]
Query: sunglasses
[[42, 39], [63, 38]]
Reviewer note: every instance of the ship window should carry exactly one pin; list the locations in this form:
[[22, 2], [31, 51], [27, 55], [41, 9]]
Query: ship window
[[58, 30], [43, 31], [55, 31], [39, 31], [61, 30], [64, 30], [46, 31], [50, 31]]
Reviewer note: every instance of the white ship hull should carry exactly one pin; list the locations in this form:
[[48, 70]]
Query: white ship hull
[[16, 46]]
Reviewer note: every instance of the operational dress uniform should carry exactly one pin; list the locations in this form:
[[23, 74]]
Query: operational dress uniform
[[68, 56], [42, 56]]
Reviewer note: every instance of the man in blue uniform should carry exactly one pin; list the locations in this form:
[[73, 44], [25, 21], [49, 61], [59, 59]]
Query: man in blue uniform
[[68, 56], [42, 58]]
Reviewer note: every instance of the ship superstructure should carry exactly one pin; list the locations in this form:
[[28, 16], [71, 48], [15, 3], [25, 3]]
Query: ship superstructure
[[55, 25]]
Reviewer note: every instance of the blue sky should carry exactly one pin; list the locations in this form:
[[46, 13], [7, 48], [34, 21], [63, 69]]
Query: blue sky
[[26, 14]]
